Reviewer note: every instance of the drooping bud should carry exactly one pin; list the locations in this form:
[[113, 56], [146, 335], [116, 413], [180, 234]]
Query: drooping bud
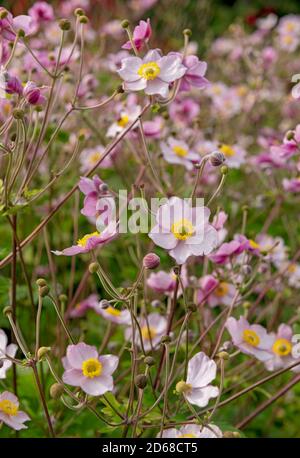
[[93, 267], [125, 24], [83, 19], [79, 12], [187, 32], [56, 390], [41, 282], [223, 355], [151, 261], [44, 291], [104, 304], [7, 310], [224, 169], [141, 381], [149, 361], [43, 351], [18, 113]]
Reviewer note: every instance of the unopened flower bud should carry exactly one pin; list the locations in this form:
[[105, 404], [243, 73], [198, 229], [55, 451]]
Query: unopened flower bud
[[7, 310], [165, 339], [223, 355], [141, 381], [3, 14], [290, 135], [183, 387], [44, 291], [63, 298], [103, 187], [125, 24], [79, 12], [83, 19], [176, 270], [120, 89], [149, 361], [224, 169], [64, 24], [56, 390], [43, 351], [21, 33], [187, 32], [93, 267], [155, 108], [41, 282], [155, 303], [216, 158], [104, 304], [18, 113], [192, 307], [151, 261], [246, 269]]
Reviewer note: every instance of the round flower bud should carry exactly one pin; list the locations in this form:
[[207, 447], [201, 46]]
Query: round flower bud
[[141, 381], [224, 169], [155, 303], [103, 187], [192, 307], [44, 291], [176, 270], [63, 298], [165, 339], [151, 261], [216, 158], [83, 19], [125, 24], [182, 387], [149, 361], [56, 390], [43, 351], [3, 14], [79, 12], [93, 267], [104, 304], [187, 32], [41, 282], [290, 135], [120, 89], [7, 310], [18, 113], [21, 33], [223, 355], [64, 24]]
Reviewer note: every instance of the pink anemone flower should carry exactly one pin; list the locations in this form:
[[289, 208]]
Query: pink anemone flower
[[183, 230], [9, 350], [251, 339], [89, 242], [153, 73], [140, 36], [10, 413], [86, 369]]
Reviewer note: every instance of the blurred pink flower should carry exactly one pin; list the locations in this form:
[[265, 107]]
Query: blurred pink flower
[[80, 309], [140, 36], [178, 152], [152, 330], [193, 431]]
